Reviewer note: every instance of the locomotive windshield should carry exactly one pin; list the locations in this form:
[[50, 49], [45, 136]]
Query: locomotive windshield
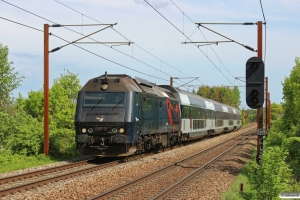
[[104, 99]]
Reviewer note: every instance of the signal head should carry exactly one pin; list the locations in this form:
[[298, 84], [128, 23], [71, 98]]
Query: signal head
[[255, 76]]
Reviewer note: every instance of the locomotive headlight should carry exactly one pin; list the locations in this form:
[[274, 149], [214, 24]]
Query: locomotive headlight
[[104, 87], [90, 130], [114, 130], [121, 130], [83, 130]]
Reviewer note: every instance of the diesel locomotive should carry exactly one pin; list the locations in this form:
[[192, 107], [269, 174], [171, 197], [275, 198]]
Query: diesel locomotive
[[117, 115]]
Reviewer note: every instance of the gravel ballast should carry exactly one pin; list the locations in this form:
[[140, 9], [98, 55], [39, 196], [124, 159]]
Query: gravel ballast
[[85, 186]]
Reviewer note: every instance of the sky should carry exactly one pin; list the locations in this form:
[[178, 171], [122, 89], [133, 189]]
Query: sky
[[157, 32]]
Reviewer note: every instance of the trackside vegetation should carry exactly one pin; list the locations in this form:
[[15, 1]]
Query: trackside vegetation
[[280, 170], [21, 120]]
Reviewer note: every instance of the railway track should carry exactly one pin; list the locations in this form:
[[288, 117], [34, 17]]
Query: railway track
[[26, 181], [21, 182], [182, 186], [163, 182]]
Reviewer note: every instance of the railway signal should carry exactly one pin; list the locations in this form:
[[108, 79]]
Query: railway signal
[[255, 75]]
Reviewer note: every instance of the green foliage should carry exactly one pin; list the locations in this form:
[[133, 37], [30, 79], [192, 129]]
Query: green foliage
[[62, 143], [34, 104], [20, 133], [9, 80], [273, 177], [21, 119], [275, 134], [26, 137], [62, 105], [221, 94], [291, 96], [276, 111], [292, 145]]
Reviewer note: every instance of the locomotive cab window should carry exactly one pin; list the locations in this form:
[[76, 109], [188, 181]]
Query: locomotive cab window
[[104, 99]]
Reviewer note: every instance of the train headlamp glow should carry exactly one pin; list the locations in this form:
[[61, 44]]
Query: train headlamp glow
[[104, 87], [83, 130], [114, 130], [90, 130], [121, 130]]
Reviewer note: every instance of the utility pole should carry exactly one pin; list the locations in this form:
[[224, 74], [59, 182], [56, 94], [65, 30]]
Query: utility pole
[[267, 106], [46, 89], [259, 110]]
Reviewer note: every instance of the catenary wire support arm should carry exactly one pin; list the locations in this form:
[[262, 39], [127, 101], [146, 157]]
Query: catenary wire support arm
[[62, 25], [205, 43], [216, 23], [58, 48], [247, 47], [188, 82], [185, 78], [239, 78], [114, 43]]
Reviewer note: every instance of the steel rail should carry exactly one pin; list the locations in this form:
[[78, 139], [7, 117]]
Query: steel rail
[[41, 172], [119, 188], [166, 192], [54, 179]]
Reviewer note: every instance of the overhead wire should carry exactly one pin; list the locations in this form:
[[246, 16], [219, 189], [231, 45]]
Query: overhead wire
[[92, 39], [204, 37], [188, 39], [84, 49], [206, 41], [21, 24], [126, 39]]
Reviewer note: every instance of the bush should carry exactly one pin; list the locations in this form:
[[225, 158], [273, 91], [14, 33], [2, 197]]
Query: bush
[[273, 177], [62, 143], [25, 136], [292, 145]]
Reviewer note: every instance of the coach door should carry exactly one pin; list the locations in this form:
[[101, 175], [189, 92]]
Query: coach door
[[208, 119]]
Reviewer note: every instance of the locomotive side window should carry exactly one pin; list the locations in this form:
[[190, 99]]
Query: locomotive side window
[[160, 104], [136, 99]]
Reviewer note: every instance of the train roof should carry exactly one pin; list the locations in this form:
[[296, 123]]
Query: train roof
[[142, 85], [190, 99]]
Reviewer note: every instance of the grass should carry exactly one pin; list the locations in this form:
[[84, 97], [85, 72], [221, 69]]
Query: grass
[[9, 162], [234, 192]]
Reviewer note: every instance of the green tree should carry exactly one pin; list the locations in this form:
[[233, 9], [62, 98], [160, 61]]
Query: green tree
[[62, 105], [9, 79], [276, 111], [222, 94], [291, 96]]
